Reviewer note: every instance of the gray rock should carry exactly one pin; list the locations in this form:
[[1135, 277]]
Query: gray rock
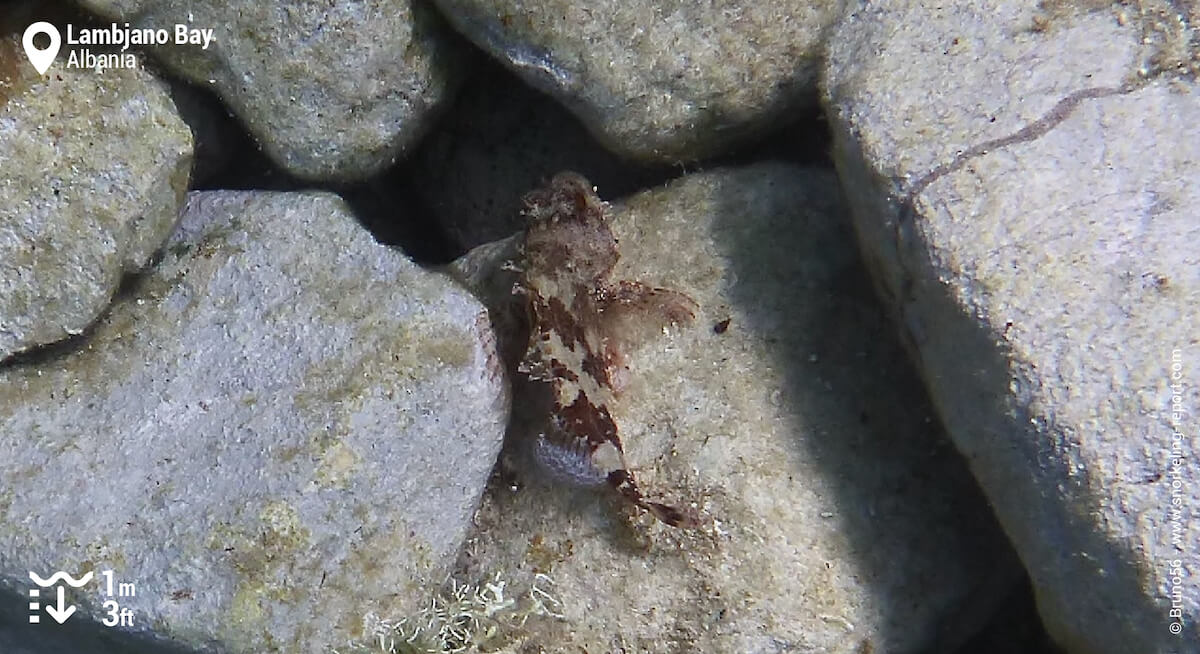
[[284, 427], [836, 520], [332, 91], [1024, 191], [93, 169], [659, 81]]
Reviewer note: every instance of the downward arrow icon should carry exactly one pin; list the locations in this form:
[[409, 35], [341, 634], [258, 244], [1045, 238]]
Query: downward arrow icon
[[61, 613]]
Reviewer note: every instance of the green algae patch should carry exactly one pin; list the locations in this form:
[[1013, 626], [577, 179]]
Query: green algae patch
[[264, 561]]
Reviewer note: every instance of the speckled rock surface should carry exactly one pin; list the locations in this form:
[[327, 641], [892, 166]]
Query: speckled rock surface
[[330, 90], [80, 206], [284, 426], [836, 520], [1026, 198], [659, 81]]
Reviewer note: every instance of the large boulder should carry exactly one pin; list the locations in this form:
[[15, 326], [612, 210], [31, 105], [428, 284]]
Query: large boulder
[[833, 517], [654, 81], [282, 428], [332, 91], [1024, 190], [93, 171]]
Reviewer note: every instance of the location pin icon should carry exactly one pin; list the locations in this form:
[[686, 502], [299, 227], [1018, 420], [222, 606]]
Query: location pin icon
[[41, 59]]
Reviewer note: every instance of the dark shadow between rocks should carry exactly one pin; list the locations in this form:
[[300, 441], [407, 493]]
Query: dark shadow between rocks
[[502, 138], [461, 183], [800, 286], [387, 207]]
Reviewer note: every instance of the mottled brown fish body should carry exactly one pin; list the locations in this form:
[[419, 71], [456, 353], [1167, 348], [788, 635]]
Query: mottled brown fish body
[[580, 321]]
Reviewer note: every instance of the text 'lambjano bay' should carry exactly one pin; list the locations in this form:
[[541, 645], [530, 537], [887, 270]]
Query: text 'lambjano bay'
[[126, 36]]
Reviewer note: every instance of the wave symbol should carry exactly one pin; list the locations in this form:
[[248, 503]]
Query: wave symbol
[[60, 575]]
